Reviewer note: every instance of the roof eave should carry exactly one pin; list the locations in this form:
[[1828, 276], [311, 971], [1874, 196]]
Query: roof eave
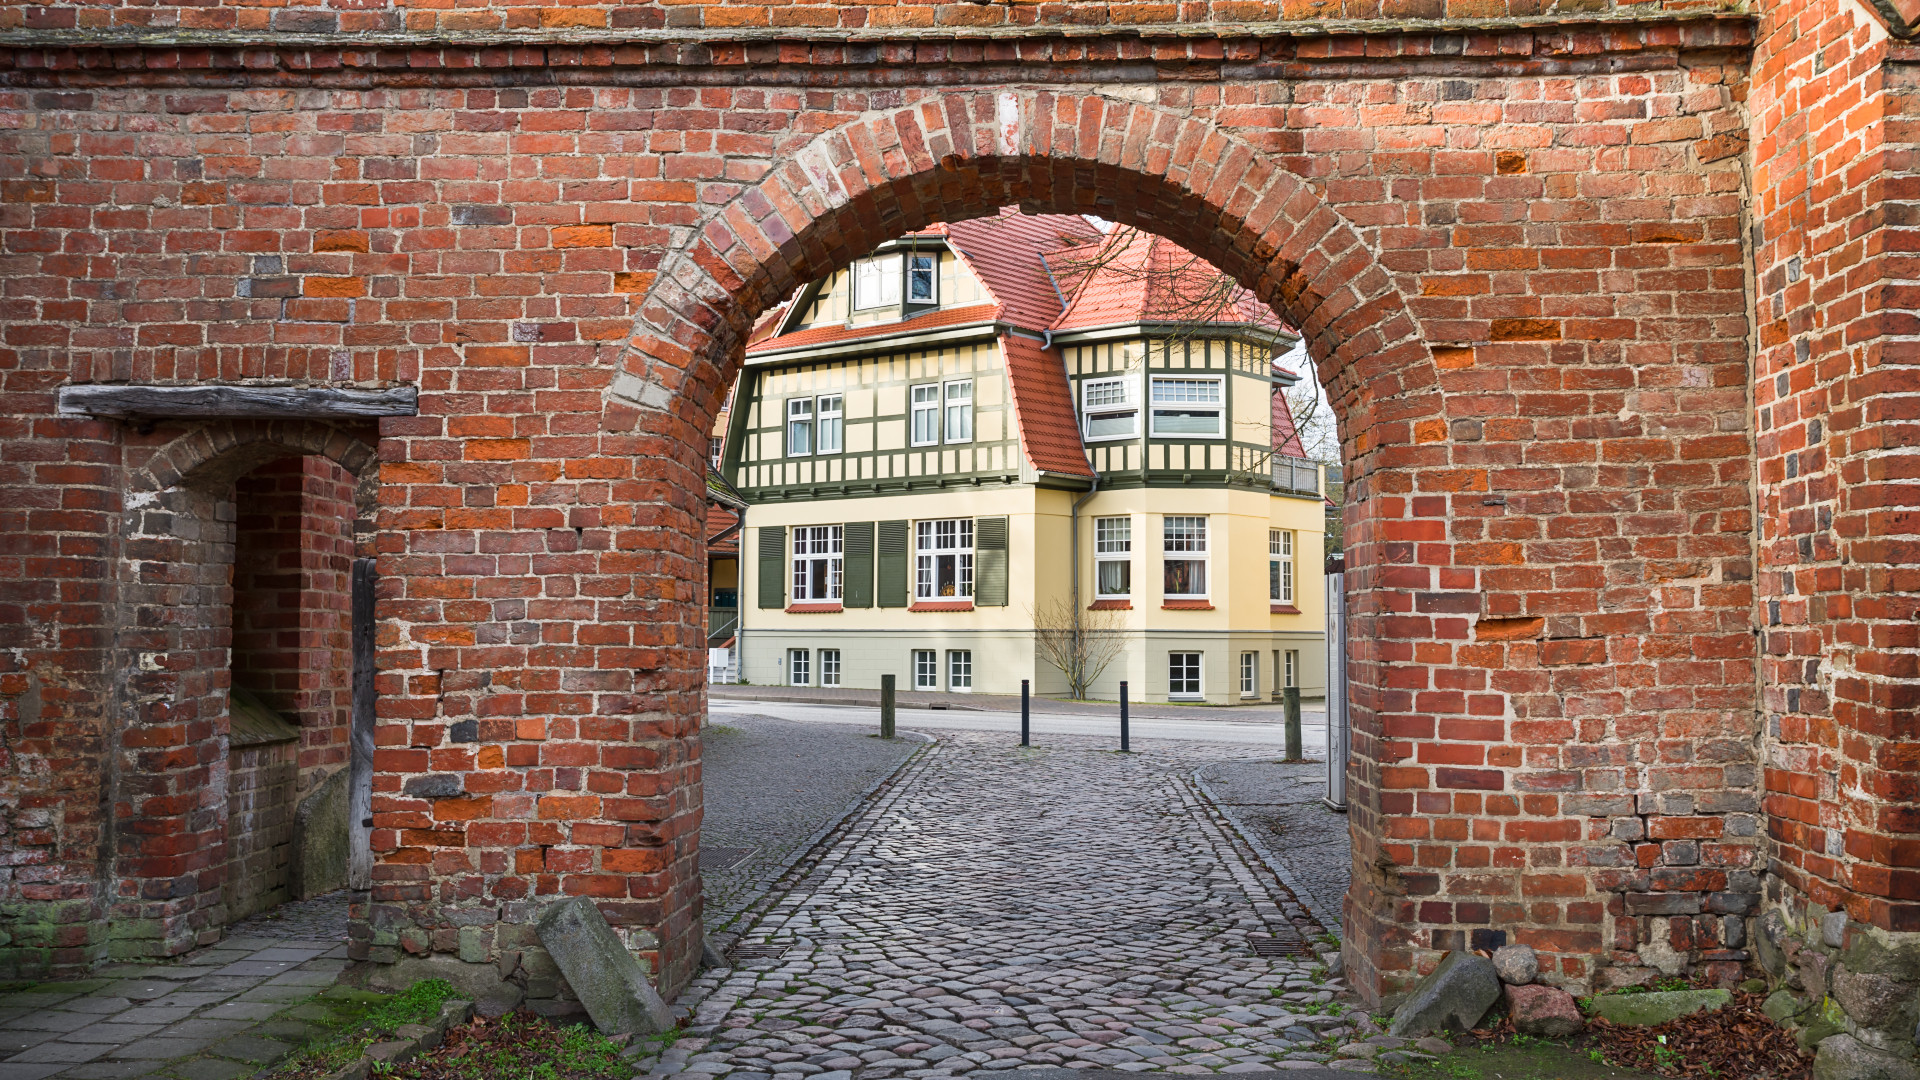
[[1147, 328], [878, 343]]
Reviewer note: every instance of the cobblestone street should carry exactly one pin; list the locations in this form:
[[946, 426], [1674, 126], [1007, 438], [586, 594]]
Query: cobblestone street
[[769, 787], [998, 908]]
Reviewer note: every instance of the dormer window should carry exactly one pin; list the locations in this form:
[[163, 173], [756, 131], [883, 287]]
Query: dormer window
[[923, 279], [876, 283]]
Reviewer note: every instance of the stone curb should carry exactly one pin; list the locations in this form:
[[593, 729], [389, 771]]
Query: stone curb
[[413, 1040], [1329, 921]]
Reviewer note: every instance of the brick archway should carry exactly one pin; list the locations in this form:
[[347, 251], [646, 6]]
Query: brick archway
[[965, 155]]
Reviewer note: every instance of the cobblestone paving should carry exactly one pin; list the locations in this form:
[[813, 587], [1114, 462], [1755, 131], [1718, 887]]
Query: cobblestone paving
[[215, 1014], [769, 787], [998, 909], [323, 918], [1279, 808]]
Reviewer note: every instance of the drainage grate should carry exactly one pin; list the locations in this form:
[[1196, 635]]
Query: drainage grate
[[722, 858], [1268, 945], [759, 950]]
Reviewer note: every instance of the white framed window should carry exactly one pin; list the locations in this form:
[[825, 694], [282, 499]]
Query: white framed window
[[1110, 408], [1280, 566], [1183, 675], [960, 411], [1189, 407], [829, 667], [1113, 558], [829, 424], [943, 559], [1249, 674], [799, 426], [923, 279], [1184, 547], [960, 670], [1293, 668], [925, 418], [715, 446], [876, 282], [926, 669], [798, 668], [817, 566]]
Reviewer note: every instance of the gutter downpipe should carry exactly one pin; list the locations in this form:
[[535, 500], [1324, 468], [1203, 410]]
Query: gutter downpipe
[[1074, 517]]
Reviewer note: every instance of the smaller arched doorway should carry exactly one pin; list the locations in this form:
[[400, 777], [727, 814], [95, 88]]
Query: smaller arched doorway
[[231, 779]]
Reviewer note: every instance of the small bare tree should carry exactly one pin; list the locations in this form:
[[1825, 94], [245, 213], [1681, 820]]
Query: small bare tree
[[1081, 644]]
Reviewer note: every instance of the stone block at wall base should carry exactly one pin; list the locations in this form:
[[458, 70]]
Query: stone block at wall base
[[1844, 1057], [1849, 992], [473, 982], [321, 839]]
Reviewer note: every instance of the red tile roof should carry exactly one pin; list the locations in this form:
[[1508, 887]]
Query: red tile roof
[[1286, 435], [1129, 276], [1007, 253], [840, 333], [1043, 407]]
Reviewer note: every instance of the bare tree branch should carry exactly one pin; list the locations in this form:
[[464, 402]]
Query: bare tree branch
[[1082, 645]]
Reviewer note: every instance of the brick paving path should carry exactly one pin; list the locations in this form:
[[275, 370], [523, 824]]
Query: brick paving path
[[998, 908], [215, 1014]]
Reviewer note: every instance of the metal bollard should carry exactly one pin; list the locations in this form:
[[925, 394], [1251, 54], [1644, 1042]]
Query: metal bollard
[[1125, 746], [886, 706], [1023, 714], [1292, 695]]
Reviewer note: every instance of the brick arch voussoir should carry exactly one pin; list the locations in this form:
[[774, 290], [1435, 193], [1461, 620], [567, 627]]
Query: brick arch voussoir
[[965, 153], [212, 456]]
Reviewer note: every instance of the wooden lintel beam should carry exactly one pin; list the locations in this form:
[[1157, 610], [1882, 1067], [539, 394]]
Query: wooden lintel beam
[[236, 402]]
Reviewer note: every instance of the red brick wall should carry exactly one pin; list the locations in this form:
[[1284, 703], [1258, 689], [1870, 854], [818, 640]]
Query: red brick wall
[[1838, 452], [259, 851], [292, 602], [1524, 284], [1519, 257]]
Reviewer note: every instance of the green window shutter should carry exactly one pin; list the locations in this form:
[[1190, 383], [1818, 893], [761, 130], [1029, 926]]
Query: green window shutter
[[990, 562], [773, 566], [894, 585], [857, 571]]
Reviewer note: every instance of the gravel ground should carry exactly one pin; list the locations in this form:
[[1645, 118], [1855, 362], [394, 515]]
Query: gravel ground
[[998, 908], [1278, 808], [770, 786]]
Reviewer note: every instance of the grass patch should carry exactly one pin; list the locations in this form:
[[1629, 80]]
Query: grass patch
[[355, 1020], [521, 1046]]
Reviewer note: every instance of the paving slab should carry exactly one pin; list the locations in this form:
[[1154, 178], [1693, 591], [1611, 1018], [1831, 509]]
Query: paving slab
[[177, 1021], [24, 1070], [59, 1050], [15, 1040], [161, 1049], [116, 1034]]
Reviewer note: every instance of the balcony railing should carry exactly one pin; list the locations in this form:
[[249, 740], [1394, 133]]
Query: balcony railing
[[1296, 475]]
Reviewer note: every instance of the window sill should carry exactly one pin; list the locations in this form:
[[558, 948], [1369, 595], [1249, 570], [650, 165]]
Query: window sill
[[812, 609], [941, 605], [1111, 605], [1186, 605], [1285, 609]]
